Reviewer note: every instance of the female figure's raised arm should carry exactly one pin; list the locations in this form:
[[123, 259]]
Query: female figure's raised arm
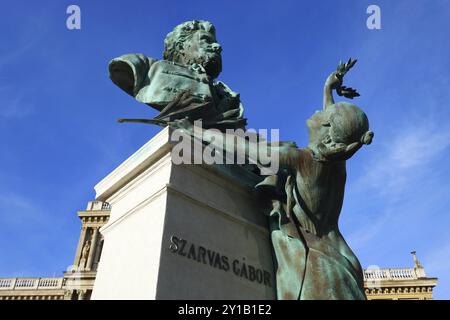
[[334, 82]]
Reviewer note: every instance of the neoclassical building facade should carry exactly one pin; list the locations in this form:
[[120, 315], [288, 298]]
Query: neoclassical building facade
[[77, 283], [399, 283]]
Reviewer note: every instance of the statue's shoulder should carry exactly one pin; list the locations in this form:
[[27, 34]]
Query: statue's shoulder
[[138, 60], [294, 157], [286, 148], [288, 144], [129, 71]]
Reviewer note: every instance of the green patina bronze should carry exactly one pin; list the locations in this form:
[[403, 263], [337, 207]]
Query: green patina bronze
[[305, 196], [183, 84], [313, 259]]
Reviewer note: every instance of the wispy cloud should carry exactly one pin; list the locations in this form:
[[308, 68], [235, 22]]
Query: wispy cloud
[[14, 105], [19, 209], [438, 263], [408, 196], [438, 260], [27, 36], [403, 179], [29, 237], [406, 158]]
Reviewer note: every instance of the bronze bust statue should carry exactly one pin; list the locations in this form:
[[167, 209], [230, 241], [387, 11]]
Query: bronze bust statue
[[183, 84]]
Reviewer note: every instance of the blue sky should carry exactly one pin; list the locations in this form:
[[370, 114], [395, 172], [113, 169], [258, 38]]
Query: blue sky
[[58, 111]]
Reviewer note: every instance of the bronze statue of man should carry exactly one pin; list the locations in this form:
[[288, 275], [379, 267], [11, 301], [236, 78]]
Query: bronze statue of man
[[183, 83], [313, 261]]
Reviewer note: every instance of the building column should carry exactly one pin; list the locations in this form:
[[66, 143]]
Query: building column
[[93, 247], [80, 246], [81, 294], [98, 252]]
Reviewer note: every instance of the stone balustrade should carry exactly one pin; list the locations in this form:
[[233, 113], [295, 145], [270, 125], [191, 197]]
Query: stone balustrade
[[391, 274], [31, 283], [98, 206]]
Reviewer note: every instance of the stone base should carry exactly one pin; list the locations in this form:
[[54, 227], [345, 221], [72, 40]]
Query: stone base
[[182, 231]]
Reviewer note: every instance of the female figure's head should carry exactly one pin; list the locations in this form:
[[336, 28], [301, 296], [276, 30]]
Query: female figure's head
[[337, 132]]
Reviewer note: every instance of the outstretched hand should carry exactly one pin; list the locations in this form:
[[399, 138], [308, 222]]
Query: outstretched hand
[[341, 70], [335, 82], [336, 79]]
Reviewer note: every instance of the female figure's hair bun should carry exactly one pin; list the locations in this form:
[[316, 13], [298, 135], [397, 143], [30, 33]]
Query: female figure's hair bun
[[367, 137]]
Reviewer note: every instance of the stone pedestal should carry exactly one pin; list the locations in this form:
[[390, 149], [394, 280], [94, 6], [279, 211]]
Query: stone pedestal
[[182, 231]]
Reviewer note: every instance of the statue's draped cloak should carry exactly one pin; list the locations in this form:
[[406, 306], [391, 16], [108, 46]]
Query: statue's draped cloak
[[156, 83], [313, 260]]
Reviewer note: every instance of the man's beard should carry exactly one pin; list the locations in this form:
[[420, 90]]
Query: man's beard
[[213, 65], [211, 62]]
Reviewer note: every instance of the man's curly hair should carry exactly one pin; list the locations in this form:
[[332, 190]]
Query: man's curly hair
[[174, 42]]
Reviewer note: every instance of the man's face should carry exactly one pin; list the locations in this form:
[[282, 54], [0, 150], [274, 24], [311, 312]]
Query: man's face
[[203, 49]]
